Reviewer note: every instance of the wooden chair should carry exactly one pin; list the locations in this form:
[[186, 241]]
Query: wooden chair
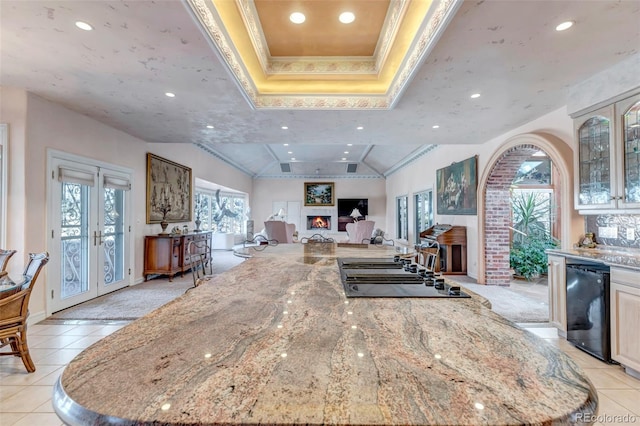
[[5, 255], [199, 253], [14, 311]]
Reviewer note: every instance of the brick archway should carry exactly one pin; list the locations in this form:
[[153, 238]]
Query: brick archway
[[494, 203]]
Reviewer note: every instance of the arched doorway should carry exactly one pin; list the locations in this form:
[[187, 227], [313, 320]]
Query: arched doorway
[[494, 200]]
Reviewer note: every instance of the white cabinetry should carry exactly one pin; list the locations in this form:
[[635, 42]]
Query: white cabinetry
[[557, 293], [607, 161], [625, 317]]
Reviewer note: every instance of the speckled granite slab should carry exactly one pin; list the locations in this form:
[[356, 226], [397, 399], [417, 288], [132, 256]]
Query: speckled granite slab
[[276, 341], [618, 257]]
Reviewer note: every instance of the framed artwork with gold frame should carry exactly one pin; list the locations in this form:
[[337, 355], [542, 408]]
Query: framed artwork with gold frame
[[319, 194], [168, 190]]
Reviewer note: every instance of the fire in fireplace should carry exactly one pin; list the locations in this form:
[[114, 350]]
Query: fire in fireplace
[[318, 222]]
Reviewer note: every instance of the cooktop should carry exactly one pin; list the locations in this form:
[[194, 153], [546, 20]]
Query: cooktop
[[387, 277]]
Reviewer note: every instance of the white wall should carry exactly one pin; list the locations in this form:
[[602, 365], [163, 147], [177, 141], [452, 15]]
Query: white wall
[[421, 175], [268, 191], [37, 125]]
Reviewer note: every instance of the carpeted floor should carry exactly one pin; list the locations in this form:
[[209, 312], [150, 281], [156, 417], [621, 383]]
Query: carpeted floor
[[138, 300]]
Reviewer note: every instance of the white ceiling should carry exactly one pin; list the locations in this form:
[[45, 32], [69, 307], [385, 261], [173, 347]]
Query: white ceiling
[[118, 73]]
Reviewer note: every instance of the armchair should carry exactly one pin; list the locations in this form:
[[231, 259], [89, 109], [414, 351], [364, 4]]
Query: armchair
[[14, 311], [360, 232], [280, 231]]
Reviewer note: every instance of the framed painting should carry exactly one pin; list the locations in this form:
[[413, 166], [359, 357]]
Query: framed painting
[[319, 194], [456, 188], [168, 191]]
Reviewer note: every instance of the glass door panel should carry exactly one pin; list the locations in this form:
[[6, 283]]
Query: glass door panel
[[74, 239], [113, 237]]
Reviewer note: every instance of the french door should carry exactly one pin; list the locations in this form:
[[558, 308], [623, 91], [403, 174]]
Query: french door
[[89, 244]]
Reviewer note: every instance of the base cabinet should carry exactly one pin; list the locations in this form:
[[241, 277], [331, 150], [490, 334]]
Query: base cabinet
[[557, 293], [625, 318], [172, 254]]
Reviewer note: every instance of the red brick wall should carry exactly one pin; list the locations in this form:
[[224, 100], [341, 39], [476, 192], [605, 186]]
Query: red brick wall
[[498, 213]]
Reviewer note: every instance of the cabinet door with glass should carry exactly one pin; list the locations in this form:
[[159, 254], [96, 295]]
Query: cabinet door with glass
[[595, 162], [628, 137]]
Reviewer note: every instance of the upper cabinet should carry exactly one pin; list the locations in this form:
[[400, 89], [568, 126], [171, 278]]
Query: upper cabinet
[[608, 158]]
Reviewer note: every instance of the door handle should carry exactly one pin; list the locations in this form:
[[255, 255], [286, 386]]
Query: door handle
[[97, 238]]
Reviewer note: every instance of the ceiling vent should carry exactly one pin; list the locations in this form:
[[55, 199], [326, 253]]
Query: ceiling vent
[[352, 167], [285, 167]]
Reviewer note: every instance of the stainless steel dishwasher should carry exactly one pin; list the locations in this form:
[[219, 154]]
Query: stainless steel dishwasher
[[588, 323]]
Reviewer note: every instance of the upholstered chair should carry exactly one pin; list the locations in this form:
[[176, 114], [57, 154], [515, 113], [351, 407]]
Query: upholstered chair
[[361, 231], [280, 231]]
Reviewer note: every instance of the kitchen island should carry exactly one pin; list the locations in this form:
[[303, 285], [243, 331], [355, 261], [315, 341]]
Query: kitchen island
[[276, 341]]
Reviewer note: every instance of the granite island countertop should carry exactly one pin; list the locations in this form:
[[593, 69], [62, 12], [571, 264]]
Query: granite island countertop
[[613, 256], [274, 340]]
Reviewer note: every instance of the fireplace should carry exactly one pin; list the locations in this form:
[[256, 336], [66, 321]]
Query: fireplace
[[318, 222]]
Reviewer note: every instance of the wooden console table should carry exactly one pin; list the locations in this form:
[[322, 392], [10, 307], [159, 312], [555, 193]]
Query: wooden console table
[[167, 254]]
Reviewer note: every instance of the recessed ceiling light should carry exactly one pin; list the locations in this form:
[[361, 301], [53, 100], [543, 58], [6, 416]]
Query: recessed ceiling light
[[83, 26], [346, 152], [347, 17], [289, 152], [359, 127], [435, 126], [210, 126], [285, 144], [475, 95], [284, 127], [171, 95], [564, 26], [293, 158], [343, 159], [297, 17], [349, 144]]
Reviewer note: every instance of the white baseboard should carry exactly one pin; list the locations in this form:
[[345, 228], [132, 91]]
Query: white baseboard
[[36, 317]]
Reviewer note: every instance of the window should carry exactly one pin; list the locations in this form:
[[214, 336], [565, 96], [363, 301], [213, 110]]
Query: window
[[220, 212], [402, 221], [424, 212]]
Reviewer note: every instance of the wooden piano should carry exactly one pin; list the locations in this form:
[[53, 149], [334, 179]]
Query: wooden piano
[[450, 241]]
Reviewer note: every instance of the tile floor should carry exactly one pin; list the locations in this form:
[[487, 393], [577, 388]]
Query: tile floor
[[25, 399]]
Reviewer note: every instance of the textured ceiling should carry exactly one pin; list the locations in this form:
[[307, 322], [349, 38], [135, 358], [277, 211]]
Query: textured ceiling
[[118, 74]]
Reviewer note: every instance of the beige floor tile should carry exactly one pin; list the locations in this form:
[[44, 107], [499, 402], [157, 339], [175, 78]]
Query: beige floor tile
[[544, 332], [60, 357], [629, 399], [47, 407], [50, 329], [601, 379], [612, 413], [22, 378], [40, 419], [108, 329], [84, 342], [83, 330], [9, 419], [50, 379], [9, 391], [39, 353], [26, 400], [54, 342], [619, 374]]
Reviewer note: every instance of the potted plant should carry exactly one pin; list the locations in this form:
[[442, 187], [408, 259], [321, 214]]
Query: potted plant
[[531, 237]]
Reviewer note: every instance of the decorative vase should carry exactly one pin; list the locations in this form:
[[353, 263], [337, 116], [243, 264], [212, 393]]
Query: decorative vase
[[198, 222], [164, 225]]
